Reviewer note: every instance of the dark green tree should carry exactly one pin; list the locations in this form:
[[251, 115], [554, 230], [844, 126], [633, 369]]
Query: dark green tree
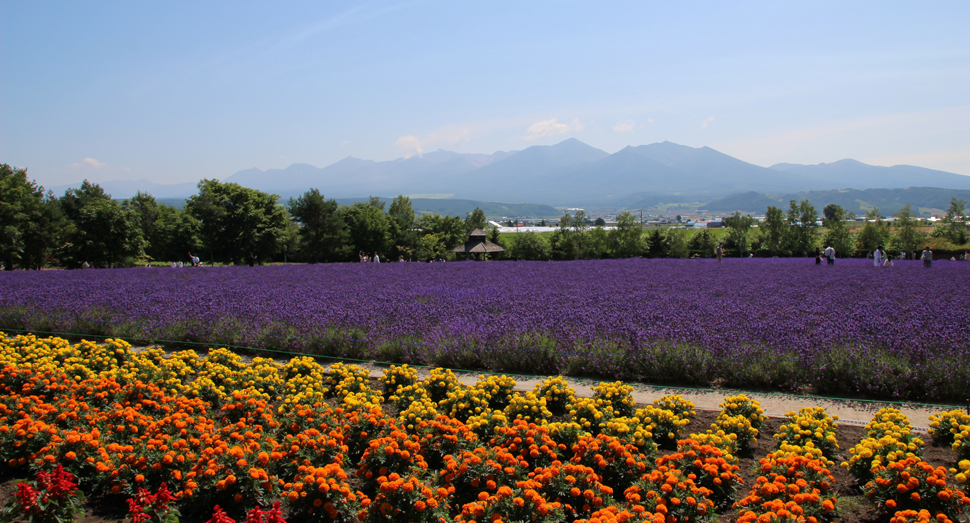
[[104, 233], [376, 202], [837, 234], [237, 222], [802, 223], [31, 222], [774, 233], [475, 220], [145, 213], [702, 244], [874, 233], [529, 246], [449, 229], [677, 243], [907, 235], [739, 229], [626, 240], [175, 234], [570, 241], [369, 228], [954, 221], [323, 235], [657, 244], [597, 244], [599, 222], [495, 237], [404, 232]]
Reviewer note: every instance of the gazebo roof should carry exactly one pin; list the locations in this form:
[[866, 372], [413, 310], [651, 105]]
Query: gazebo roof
[[478, 244]]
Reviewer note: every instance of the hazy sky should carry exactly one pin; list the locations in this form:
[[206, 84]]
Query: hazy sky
[[174, 92]]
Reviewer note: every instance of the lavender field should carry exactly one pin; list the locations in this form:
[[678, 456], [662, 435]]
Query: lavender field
[[781, 324]]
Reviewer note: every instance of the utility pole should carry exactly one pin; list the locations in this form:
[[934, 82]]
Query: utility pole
[[641, 217]]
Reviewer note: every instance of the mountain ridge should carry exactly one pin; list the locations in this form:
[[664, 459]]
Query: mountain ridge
[[569, 173]]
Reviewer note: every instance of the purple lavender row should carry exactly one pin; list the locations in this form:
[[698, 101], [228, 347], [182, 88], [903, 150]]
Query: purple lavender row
[[898, 332]]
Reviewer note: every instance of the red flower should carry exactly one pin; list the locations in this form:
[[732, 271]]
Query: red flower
[[27, 497]]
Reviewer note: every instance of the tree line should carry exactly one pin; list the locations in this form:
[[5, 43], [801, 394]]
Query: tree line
[[229, 224], [223, 223]]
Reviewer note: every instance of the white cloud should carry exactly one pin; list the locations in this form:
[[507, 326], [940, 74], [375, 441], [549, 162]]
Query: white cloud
[[708, 122], [344, 144], [625, 126], [90, 163], [410, 145], [552, 127]]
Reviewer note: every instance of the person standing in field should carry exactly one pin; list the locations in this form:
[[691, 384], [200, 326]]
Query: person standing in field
[[830, 255], [376, 259], [719, 251], [927, 257], [877, 257]]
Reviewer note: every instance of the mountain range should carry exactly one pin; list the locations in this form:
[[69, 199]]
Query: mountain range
[[566, 174]]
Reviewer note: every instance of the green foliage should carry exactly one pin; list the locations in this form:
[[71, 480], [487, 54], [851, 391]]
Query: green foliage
[[175, 233], [570, 241], [626, 240], [739, 228], [955, 221], [702, 244], [368, 226], [802, 223], [323, 234], [236, 221], [475, 220], [529, 246], [874, 233], [774, 231], [104, 233], [404, 235], [658, 244], [449, 230], [31, 223], [677, 244], [838, 236], [908, 237]]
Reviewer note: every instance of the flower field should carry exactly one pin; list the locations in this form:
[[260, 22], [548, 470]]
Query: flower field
[[778, 324], [211, 437]]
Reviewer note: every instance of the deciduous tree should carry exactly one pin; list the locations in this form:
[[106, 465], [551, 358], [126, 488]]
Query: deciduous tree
[[104, 233], [626, 240], [739, 227], [837, 234], [907, 236], [31, 222], [237, 221]]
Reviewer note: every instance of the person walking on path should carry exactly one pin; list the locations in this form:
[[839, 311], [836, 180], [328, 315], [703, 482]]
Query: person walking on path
[[877, 257], [377, 259], [927, 257]]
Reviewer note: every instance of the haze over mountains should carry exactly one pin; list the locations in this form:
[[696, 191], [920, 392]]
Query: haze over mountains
[[568, 173]]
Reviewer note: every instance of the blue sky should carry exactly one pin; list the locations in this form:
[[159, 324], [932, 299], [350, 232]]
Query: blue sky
[[173, 92]]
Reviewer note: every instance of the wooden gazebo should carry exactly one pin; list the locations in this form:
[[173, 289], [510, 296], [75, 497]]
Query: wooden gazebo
[[477, 244]]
